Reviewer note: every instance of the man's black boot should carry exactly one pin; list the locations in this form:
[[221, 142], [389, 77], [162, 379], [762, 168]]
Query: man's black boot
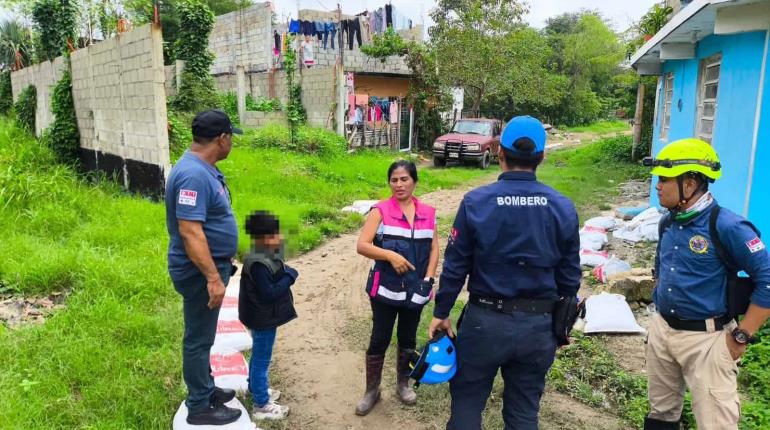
[[653, 424], [215, 415], [222, 395]]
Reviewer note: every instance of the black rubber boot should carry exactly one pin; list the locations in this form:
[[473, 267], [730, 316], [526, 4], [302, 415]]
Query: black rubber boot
[[374, 365], [405, 392]]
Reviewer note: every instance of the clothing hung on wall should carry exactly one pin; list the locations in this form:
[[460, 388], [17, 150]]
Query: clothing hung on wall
[[330, 30], [388, 16], [354, 29]]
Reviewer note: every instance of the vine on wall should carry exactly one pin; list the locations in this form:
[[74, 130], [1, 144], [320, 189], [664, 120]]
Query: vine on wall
[[197, 91], [25, 108], [295, 112]]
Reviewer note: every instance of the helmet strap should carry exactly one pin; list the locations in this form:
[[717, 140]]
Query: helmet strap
[[683, 201]]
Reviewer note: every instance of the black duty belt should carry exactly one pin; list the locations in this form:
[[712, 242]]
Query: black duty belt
[[695, 325], [534, 306]]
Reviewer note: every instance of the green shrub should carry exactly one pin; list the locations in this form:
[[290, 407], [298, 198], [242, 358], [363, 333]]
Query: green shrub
[[197, 91], [26, 107], [179, 134], [6, 92], [55, 21], [617, 148], [309, 140], [64, 136]]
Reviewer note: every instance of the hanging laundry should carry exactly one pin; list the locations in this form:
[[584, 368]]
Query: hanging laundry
[[362, 100], [294, 27], [276, 43], [388, 16], [330, 30], [352, 107], [394, 113], [373, 22], [400, 21], [359, 118], [354, 29], [366, 28], [320, 28]]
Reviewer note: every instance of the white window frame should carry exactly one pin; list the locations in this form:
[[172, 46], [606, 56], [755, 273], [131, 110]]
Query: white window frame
[[668, 102], [705, 65]]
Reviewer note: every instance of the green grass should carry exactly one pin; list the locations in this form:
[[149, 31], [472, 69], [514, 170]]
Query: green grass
[[601, 127], [111, 359]]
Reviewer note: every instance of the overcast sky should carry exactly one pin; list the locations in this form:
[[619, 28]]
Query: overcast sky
[[620, 13]]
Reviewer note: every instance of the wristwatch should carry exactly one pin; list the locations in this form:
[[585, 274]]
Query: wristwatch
[[741, 336]]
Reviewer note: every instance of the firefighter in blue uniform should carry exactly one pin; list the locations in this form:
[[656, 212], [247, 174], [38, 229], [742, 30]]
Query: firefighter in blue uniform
[[517, 240]]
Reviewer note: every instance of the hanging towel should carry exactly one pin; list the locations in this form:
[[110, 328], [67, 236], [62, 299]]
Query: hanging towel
[[362, 100], [394, 113]]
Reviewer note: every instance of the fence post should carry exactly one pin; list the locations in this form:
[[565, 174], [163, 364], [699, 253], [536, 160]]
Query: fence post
[[240, 76]]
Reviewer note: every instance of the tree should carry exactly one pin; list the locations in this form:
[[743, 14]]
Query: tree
[[55, 22], [142, 12], [485, 48], [16, 46]]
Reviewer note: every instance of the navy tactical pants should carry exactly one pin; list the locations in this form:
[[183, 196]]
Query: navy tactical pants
[[522, 345], [200, 328]]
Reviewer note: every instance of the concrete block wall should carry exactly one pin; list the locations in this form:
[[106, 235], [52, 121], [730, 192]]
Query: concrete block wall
[[170, 76], [318, 95], [260, 119], [243, 37], [44, 77], [120, 101]]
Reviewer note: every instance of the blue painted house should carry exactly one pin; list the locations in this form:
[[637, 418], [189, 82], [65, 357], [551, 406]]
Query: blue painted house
[[713, 83]]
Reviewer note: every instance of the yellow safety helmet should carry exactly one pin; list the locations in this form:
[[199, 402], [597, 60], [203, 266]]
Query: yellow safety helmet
[[684, 156]]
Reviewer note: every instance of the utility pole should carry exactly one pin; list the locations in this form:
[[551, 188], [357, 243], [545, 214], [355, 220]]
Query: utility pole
[[638, 120]]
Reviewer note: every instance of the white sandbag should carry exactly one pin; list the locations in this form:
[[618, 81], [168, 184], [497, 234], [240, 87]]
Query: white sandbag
[[612, 266], [360, 206], [593, 238], [243, 423], [605, 222], [229, 309], [589, 257], [233, 287], [232, 334], [642, 227], [609, 313], [229, 369]]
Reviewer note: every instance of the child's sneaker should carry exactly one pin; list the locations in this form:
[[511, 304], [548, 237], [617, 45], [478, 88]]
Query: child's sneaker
[[274, 395], [271, 411]]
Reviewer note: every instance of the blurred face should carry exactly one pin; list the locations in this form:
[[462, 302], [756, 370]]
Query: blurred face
[[272, 241], [401, 184]]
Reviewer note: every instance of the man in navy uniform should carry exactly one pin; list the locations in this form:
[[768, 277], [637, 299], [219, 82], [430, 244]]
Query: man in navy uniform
[[203, 239], [517, 240]]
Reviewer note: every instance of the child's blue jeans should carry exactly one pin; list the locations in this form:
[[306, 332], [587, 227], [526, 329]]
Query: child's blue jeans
[[261, 353]]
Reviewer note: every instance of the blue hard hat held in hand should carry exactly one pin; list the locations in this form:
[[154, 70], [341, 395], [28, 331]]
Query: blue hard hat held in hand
[[437, 363], [520, 129]]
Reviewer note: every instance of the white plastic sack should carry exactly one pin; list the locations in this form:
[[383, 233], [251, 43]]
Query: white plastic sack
[[642, 227], [234, 287], [609, 313], [593, 258], [229, 369], [232, 334], [229, 309], [593, 238], [612, 266], [243, 423], [360, 206], [605, 222]]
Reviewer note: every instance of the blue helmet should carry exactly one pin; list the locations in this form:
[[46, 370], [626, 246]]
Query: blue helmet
[[523, 127], [437, 363]]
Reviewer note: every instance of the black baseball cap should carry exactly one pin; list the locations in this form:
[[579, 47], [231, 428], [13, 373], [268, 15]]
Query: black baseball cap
[[212, 123]]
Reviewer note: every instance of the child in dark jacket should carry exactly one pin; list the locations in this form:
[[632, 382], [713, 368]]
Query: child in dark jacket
[[265, 303]]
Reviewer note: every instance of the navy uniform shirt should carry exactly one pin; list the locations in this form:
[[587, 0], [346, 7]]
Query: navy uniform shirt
[[692, 280], [516, 238], [196, 191]]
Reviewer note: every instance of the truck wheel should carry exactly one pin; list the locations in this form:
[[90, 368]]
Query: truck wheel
[[439, 162], [484, 162]]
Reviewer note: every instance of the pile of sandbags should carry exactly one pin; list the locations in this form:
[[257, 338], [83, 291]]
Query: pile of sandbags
[[642, 227]]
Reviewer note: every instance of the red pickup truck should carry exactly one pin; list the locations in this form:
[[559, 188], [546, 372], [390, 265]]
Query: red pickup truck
[[472, 140]]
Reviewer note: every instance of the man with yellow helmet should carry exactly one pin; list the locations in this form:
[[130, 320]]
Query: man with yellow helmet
[[694, 340]]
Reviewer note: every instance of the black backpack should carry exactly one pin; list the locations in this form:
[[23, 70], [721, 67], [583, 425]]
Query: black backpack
[[739, 289]]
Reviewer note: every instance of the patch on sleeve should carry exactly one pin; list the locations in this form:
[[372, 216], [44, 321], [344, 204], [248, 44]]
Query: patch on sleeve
[[188, 197], [452, 236], [755, 245]]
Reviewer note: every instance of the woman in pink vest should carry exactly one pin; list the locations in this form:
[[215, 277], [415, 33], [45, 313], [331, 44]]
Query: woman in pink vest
[[400, 236]]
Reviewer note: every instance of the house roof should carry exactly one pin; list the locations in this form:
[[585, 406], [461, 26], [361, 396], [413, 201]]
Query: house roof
[[693, 23]]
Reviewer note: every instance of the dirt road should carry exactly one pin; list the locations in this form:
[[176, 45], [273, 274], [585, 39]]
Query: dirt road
[[321, 371]]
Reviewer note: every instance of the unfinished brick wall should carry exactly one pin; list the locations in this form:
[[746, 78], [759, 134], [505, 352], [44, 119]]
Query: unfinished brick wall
[[243, 37], [44, 77], [120, 102], [318, 95]]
